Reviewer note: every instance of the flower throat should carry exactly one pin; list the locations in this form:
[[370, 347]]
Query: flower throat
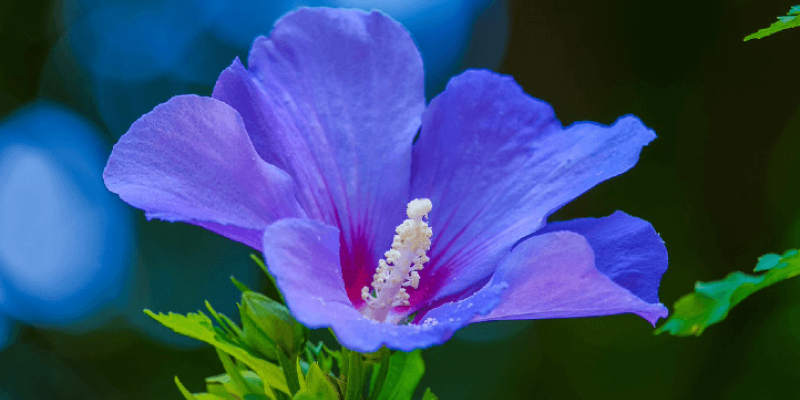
[[400, 267]]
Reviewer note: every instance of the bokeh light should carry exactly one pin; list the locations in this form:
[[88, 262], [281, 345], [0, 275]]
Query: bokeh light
[[65, 241]]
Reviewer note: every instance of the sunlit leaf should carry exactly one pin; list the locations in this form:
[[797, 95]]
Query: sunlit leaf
[[198, 326], [790, 20], [711, 301]]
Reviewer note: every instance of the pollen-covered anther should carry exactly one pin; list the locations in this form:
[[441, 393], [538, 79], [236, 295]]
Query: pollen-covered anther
[[399, 268]]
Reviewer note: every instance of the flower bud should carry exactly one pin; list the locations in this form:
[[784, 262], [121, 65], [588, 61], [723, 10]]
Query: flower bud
[[269, 325]]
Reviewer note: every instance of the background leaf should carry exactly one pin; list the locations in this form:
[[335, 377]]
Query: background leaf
[[711, 301], [790, 20]]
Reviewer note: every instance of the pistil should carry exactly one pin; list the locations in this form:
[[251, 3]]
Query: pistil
[[401, 265]]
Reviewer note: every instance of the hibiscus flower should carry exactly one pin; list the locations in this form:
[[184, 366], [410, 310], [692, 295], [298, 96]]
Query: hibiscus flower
[[308, 155]]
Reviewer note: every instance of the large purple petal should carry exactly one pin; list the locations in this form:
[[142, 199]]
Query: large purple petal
[[191, 160], [626, 249], [303, 255], [334, 97], [495, 162], [554, 276]]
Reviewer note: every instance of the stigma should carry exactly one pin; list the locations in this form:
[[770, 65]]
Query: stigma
[[401, 265]]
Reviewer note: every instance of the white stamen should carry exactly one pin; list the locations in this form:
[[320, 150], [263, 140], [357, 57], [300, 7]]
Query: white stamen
[[400, 267]]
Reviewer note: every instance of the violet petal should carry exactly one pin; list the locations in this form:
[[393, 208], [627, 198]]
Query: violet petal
[[334, 97], [626, 249], [191, 160], [495, 162], [554, 276]]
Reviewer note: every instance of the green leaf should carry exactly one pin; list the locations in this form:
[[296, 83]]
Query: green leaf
[[317, 382], [310, 396], [379, 374], [354, 375], [207, 396], [198, 326], [268, 325], [186, 394], [327, 356], [263, 267], [239, 381], [300, 376], [429, 395], [223, 385], [711, 301], [790, 20], [232, 331], [289, 371], [239, 285], [405, 371]]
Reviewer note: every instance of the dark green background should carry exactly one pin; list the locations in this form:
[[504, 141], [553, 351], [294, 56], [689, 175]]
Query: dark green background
[[719, 185]]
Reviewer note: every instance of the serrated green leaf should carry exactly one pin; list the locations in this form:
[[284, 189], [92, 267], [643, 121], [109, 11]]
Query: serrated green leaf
[[711, 301], [405, 371], [790, 20], [198, 326], [429, 395], [223, 386], [239, 381], [232, 331]]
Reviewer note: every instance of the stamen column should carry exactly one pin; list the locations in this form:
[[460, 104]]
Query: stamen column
[[400, 267]]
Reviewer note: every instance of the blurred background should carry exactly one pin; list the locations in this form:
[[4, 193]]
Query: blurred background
[[77, 266]]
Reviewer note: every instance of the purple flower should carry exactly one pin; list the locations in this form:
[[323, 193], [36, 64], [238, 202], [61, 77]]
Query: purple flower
[[307, 156]]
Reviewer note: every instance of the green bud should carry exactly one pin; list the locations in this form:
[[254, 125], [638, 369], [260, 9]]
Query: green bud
[[269, 325]]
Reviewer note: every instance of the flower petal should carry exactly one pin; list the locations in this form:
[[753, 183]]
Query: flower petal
[[303, 255], [191, 160], [334, 97], [626, 249], [495, 162], [554, 276]]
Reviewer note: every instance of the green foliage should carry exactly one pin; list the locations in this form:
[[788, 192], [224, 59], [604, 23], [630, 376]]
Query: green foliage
[[186, 394], [353, 371], [199, 326], [790, 20], [711, 301], [379, 374], [404, 373], [429, 396], [270, 358], [319, 383], [269, 326]]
